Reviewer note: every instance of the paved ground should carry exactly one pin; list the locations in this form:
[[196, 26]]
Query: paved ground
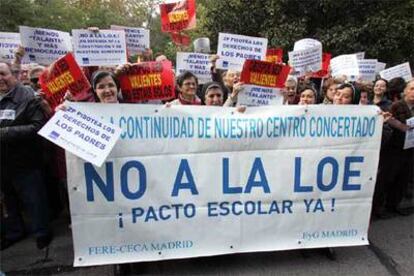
[[391, 253]]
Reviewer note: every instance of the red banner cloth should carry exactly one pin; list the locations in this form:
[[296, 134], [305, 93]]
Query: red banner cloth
[[264, 73], [65, 75], [178, 16], [180, 39], [274, 55], [324, 72], [148, 81]]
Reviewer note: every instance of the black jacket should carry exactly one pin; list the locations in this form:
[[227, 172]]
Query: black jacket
[[21, 147]]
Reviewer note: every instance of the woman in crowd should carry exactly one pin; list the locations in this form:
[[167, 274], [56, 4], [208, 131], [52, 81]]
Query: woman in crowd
[[187, 90], [212, 93], [329, 89], [380, 99], [346, 94], [307, 95]]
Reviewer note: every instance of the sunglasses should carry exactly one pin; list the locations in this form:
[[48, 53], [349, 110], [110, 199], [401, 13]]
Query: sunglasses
[[34, 80]]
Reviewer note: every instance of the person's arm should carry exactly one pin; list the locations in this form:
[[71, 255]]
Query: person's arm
[[18, 57]]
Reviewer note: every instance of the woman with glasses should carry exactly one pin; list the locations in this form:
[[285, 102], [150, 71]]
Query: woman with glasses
[[187, 84]]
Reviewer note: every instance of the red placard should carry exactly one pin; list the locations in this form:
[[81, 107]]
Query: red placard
[[181, 39], [65, 75], [148, 81], [323, 73], [274, 55], [178, 16], [264, 73]]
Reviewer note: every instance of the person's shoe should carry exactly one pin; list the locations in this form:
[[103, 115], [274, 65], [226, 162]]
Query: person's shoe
[[43, 241]]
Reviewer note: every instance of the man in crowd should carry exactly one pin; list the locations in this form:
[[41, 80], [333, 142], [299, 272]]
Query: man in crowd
[[22, 183]]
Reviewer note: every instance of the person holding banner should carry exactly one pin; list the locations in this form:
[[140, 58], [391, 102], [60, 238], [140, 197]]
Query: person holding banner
[[329, 90], [187, 84], [346, 94], [22, 181], [289, 93], [212, 93]]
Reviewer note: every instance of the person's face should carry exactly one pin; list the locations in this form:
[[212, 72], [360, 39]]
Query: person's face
[[409, 92], [189, 87], [307, 97], [106, 90], [35, 79], [343, 96], [231, 78], [379, 88], [290, 91], [364, 98], [7, 79], [330, 92], [214, 96]]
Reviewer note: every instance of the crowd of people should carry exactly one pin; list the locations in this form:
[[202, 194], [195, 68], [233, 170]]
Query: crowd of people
[[33, 172]]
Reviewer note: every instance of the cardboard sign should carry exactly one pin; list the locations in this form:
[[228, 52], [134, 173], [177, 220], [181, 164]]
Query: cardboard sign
[[306, 43], [345, 65], [263, 73], [186, 181], [196, 63], [178, 16], [137, 39], [402, 70], [324, 72], [360, 55], [274, 55], [233, 50], [380, 66], [148, 81], [180, 39], [82, 133], [44, 46], [106, 47], [306, 60], [409, 134], [66, 75], [367, 69], [263, 82], [9, 42]]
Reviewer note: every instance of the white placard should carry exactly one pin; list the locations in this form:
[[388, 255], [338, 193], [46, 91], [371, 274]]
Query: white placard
[[254, 95], [367, 69], [409, 135], [187, 181], [81, 133], [306, 43], [234, 49], [137, 39], [9, 42], [106, 47], [402, 70], [196, 63], [360, 55], [345, 65], [380, 66], [44, 46], [306, 60]]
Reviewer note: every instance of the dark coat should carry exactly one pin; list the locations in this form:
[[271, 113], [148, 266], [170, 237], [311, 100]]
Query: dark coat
[[21, 146], [401, 112]]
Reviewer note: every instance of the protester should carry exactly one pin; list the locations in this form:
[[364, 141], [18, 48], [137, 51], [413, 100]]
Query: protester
[[289, 92], [187, 87], [213, 94], [34, 75], [346, 94], [21, 179], [395, 89], [307, 95], [329, 90], [380, 89]]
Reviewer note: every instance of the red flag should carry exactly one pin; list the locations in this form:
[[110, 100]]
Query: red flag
[[178, 16], [148, 81], [274, 55], [181, 39], [65, 75], [323, 73], [264, 73]]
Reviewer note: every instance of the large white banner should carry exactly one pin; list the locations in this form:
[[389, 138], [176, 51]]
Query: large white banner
[[106, 47], [190, 181], [9, 42], [44, 46], [196, 63], [235, 49]]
